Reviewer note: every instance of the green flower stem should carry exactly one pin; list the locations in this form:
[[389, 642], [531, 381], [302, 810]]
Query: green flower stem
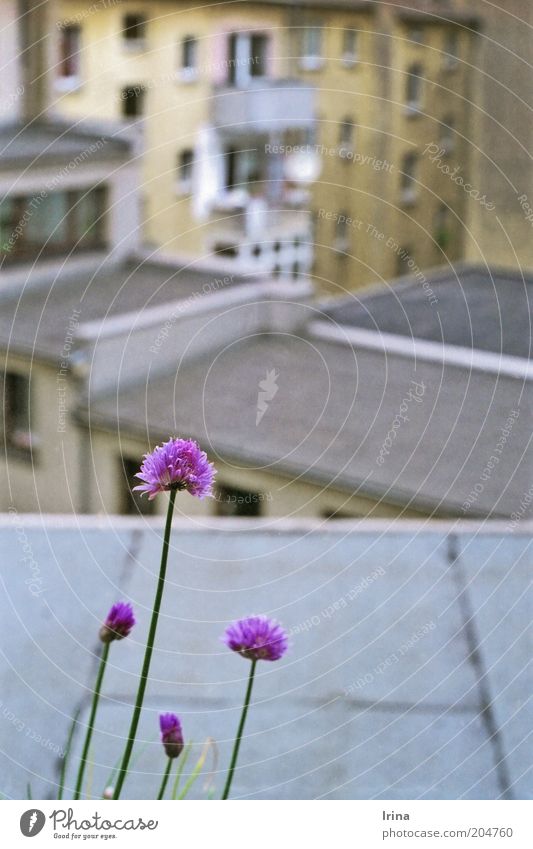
[[165, 780], [240, 730], [148, 651], [90, 726], [66, 755]]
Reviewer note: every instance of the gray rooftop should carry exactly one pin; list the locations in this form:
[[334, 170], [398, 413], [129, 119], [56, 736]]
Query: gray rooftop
[[409, 673], [37, 320], [332, 415], [490, 310], [42, 142]]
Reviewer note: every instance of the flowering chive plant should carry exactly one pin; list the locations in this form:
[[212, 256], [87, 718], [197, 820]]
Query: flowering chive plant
[[172, 739], [174, 466], [255, 638], [177, 465], [120, 620], [118, 624]]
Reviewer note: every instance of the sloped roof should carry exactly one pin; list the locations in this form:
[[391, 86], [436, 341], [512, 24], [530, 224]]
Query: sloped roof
[[42, 142], [475, 307], [36, 320], [336, 419]]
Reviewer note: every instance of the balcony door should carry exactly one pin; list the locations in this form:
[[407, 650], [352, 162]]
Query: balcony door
[[247, 57]]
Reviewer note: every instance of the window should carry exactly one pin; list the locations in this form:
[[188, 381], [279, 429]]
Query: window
[[69, 52], [403, 258], [311, 51], [247, 57], [447, 136], [134, 30], [441, 227], [341, 240], [339, 514], [258, 54], [133, 101], [451, 51], [242, 168], [225, 249], [237, 502], [413, 93], [132, 503], [185, 168], [52, 224], [16, 403], [408, 179], [416, 35], [346, 134], [350, 44], [189, 58]]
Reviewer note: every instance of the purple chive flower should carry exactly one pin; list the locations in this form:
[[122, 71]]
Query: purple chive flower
[[120, 620], [256, 638], [177, 464], [171, 734]]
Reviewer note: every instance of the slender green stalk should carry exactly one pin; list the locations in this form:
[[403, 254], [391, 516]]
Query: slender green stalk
[[148, 651], [90, 726], [66, 755], [240, 730], [193, 776], [165, 780], [183, 760]]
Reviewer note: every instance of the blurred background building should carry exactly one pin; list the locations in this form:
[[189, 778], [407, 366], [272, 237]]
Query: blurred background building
[[190, 200]]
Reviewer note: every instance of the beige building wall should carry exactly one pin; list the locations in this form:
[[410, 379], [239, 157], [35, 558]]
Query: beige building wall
[[11, 78], [47, 479], [430, 222], [501, 137]]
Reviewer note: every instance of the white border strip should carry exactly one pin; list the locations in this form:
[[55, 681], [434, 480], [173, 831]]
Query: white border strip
[[420, 349], [269, 525]]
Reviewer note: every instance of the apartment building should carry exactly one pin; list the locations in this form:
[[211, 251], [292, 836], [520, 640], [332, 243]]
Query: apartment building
[[280, 138]]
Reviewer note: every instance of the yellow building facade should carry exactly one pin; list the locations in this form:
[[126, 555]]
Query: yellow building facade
[[371, 103]]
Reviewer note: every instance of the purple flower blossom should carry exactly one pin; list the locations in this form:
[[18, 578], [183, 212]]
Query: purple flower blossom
[[171, 734], [256, 638], [120, 620], [177, 464]]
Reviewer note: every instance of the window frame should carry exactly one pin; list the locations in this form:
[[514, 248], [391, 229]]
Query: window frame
[[134, 43], [184, 183], [311, 59], [17, 436], [408, 178], [67, 78], [139, 96], [25, 250], [415, 75], [188, 71], [450, 58], [350, 57], [225, 489]]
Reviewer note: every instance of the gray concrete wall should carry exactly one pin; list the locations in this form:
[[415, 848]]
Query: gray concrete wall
[[407, 675]]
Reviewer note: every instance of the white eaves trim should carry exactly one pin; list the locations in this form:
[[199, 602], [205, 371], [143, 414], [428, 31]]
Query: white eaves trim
[[421, 349], [196, 303]]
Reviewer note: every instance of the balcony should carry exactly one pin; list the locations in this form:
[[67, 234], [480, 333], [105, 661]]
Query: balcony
[[264, 107], [265, 240]]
